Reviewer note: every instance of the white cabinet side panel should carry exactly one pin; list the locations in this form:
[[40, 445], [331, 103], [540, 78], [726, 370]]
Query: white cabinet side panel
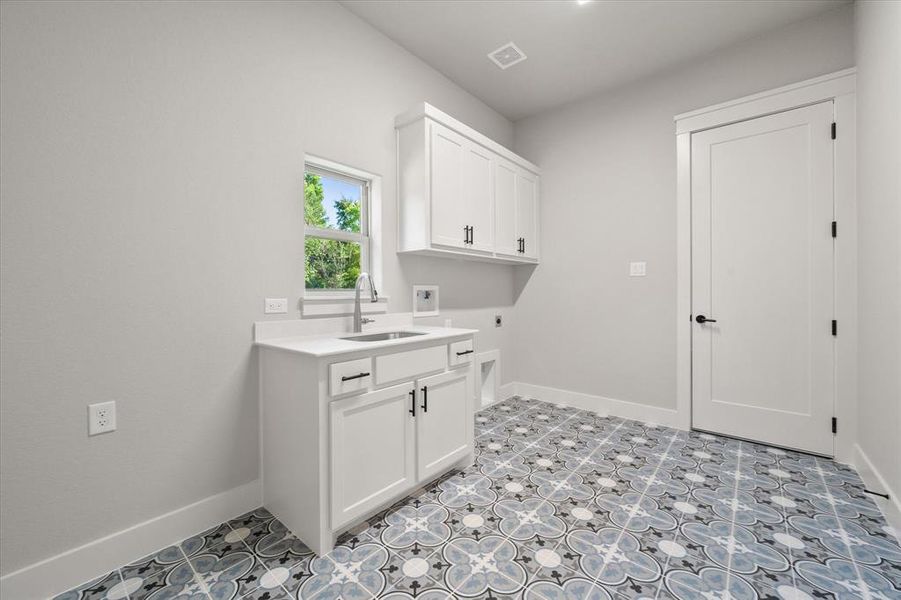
[[412, 187], [290, 441]]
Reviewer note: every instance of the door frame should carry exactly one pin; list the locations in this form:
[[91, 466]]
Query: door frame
[[839, 87]]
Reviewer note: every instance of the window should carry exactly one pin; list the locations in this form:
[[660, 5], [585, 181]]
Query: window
[[337, 241]]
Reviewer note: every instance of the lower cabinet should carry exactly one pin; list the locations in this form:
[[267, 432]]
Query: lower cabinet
[[372, 449], [444, 426], [345, 436], [385, 442]]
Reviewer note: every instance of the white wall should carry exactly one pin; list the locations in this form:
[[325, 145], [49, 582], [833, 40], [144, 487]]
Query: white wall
[[608, 194], [878, 54], [151, 191]]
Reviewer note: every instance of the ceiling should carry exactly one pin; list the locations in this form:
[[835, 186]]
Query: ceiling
[[574, 50]]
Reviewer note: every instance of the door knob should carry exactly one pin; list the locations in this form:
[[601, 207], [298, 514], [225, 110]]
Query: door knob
[[702, 319]]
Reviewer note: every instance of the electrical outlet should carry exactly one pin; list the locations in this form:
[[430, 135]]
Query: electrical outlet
[[275, 306], [101, 418], [638, 269], [498, 321]]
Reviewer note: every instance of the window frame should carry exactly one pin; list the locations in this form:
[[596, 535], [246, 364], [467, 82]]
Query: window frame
[[369, 236]]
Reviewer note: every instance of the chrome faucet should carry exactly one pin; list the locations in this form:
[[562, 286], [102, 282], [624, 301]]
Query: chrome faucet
[[359, 321]]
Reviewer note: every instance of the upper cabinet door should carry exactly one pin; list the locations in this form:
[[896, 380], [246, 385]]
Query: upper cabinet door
[[505, 237], [478, 175], [527, 213], [449, 162]]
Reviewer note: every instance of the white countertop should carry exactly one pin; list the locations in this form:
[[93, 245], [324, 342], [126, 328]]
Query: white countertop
[[332, 344]]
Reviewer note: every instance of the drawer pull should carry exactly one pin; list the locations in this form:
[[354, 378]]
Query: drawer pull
[[464, 352], [358, 376]]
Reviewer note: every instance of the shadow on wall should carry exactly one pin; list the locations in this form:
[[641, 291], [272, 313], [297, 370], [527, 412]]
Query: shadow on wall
[[464, 284], [521, 276]]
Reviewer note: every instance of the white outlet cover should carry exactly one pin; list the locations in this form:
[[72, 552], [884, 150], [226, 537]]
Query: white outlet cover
[[101, 417], [638, 269], [275, 306]]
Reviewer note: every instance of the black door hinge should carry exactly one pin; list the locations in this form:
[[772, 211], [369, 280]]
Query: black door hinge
[[834, 327], [834, 425], [833, 130], [834, 229]]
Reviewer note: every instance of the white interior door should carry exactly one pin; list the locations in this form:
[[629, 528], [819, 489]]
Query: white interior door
[[449, 201], [763, 270], [444, 425]]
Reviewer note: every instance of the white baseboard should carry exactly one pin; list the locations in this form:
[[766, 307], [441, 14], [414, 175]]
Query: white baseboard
[[874, 480], [599, 404], [84, 563]]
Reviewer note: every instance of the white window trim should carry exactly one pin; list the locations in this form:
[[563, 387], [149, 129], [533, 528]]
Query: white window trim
[[338, 302]]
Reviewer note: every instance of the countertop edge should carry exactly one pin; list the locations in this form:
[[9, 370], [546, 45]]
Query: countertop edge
[[285, 344]]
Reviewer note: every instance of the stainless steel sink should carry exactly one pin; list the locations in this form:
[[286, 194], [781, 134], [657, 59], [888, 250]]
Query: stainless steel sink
[[380, 337]]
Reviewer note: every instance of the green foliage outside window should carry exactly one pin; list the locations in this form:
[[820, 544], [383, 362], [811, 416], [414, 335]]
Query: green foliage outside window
[[330, 264]]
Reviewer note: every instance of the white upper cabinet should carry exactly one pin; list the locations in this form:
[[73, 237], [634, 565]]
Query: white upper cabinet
[[460, 194]]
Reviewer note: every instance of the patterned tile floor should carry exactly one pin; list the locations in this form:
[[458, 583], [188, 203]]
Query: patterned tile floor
[[562, 503]]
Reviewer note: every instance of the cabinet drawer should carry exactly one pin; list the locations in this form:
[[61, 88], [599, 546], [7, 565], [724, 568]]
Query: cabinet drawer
[[350, 376], [407, 365], [461, 353]]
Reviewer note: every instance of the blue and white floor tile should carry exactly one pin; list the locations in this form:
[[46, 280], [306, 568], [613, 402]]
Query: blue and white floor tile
[[563, 504]]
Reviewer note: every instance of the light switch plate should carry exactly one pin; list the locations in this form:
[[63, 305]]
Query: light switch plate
[[276, 306], [638, 269]]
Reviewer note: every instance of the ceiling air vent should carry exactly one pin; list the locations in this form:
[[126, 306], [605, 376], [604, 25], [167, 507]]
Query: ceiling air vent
[[507, 55]]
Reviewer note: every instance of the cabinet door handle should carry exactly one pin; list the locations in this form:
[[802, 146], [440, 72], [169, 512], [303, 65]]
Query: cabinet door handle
[[523, 245], [358, 376], [412, 410], [425, 398], [466, 234], [472, 234], [464, 352]]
